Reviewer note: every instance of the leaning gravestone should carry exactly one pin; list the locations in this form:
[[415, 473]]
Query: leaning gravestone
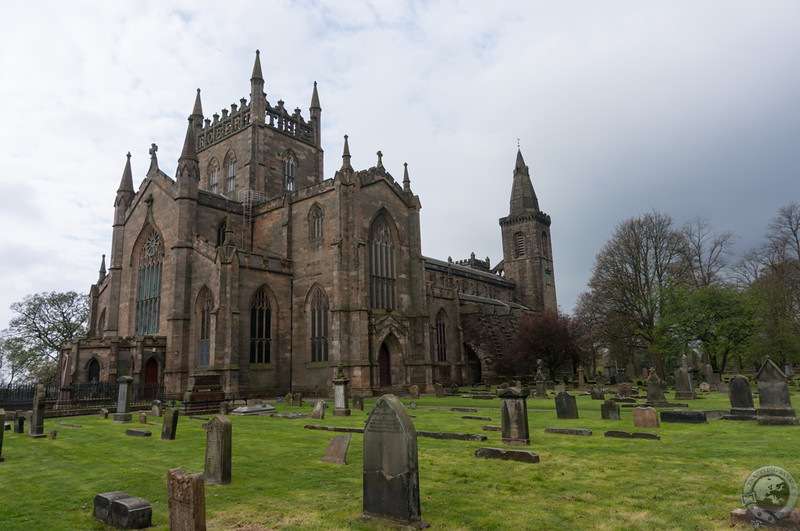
[[218, 451], [684, 388], [437, 387], [337, 450], [187, 501], [645, 417], [413, 391], [741, 398], [566, 406], [774, 403], [170, 425], [319, 410], [123, 400], [655, 392], [391, 475], [2, 432], [36, 423], [609, 410], [514, 415]]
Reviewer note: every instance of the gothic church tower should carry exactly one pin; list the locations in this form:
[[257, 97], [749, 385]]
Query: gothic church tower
[[527, 254]]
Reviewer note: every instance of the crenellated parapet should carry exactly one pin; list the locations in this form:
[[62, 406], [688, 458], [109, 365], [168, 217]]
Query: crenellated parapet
[[533, 216], [221, 127]]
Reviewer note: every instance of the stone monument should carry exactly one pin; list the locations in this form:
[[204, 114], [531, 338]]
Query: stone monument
[[413, 391], [741, 398], [170, 424], [319, 410], [341, 394], [187, 501], [123, 413], [581, 379], [566, 406], [655, 393], [541, 380], [684, 388], [36, 423], [609, 410], [391, 474], [514, 415], [774, 403], [218, 451]]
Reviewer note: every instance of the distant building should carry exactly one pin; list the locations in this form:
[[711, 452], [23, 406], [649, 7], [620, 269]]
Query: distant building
[[250, 274]]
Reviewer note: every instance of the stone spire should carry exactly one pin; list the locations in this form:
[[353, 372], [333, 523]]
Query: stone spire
[[258, 100], [406, 180], [346, 156], [257, 69], [125, 191], [315, 99], [102, 273], [197, 112], [523, 198], [188, 164], [315, 114]]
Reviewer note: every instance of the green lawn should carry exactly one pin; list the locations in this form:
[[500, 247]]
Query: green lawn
[[690, 479]]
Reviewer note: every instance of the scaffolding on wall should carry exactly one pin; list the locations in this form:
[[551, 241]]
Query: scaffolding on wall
[[248, 198]]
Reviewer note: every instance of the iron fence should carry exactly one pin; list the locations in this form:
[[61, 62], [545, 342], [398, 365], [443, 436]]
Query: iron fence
[[84, 395]]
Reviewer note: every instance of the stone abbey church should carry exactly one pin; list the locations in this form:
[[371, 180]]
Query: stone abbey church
[[250, 274]]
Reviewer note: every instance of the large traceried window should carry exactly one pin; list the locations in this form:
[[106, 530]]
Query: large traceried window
[[213, 176], [260, 328], [382, 271], [287, 165], [441, 336], [206, 303], [319, 326], [148, 284], [230, 172]]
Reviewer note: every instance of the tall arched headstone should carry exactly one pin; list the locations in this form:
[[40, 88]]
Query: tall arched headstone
[[774, 402], [391, 475], [218, 451]]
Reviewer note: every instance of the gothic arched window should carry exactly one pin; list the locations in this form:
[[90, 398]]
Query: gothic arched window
[[260, 327], [315, 219], [206, 304], [148, 284], [230, 172], [287, 165], [441, 336], [221, 228], [319, 326], [213, 175], [382, 272]]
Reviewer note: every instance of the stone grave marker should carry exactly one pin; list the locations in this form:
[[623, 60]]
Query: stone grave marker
[[712, 378], [570, 431], [523, 456], [337, 450], [412, 405], [596, 392], [358, 403], [774, 403], [341, 393], [559, 388], [514, 415], [123, 413], [684, 416], [319, 410], [645, 417], [288, 399], [655, 392], [218, 451], [156, 408], [143, 417], [704, 387], [581, 379], [19, 422], [36, 423], [187, 500], [297, 400], [131, 513], [609, 410], [439, 390], [138, 433], [413, 391], [684, 387], [2, 432], [103, 413], [53, 434], [624, 390], [391, 474], [566, 406], [102, 504], [170, 425], [741, 399], [224, 407]]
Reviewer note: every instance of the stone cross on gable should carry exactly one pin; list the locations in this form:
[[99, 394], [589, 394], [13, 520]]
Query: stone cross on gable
[[152, 150], [380, 159]]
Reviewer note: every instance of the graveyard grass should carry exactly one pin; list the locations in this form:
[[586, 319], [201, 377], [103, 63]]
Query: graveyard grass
[[690, 479]]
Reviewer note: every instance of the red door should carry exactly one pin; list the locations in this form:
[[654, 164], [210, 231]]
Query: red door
[[150, 378]]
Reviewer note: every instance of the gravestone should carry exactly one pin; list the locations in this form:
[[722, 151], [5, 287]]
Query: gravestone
[[19, 422], [358, 403], [131, 513], [138, 433], [581, 379], [391, 475], [559, 388], [413, 391], [341, 394], [143, 417], [170, 424], [523, 456], [288, 399], [540, 389], [686, 416], [453, 388], [187, 500], [704, 387], [53, 434], [514, 415], [741, 399], [712, 378], [609, 410], [566, 406], [102, 504], [624, 390], [684, 388], [224, 408], [597, 392], [655, 392], [156, 408], [774, 403], [103, 413], [123, 414], [412, 405], [319, 410], [297, 400], [439, 390], [2, 432], [645, 417], [337, 450], [218, 451], [36, 423]]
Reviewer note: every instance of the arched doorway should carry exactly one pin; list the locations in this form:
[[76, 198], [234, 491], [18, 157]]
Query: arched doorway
[[93, 371], [384, 367], [150, 378]]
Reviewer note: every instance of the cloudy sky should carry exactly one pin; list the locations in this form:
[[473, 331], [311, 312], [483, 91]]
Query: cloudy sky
[[620, 107]]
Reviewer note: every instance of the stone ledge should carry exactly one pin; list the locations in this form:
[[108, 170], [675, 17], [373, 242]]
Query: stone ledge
[[569, 431], [523, 456]]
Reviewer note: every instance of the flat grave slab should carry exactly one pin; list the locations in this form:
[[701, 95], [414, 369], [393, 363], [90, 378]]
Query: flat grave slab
[[569, 431], [523, 456]]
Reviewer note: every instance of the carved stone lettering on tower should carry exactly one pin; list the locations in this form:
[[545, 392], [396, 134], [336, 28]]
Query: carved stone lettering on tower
[[391, 475], [218, 451], [187, 500]]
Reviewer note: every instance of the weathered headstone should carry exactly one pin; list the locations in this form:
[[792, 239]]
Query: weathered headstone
[[391, 475], [570, 431], [609, 410], [224, 407], [53, 434], [686, 416], [358, 403], [2, 432], [684, 388], [624, 390], [597, 392], [774, 403], [413, 391], [170, 425], [439, 390], [566, 406], [655, 392], [645, 417], [514, 415], [704, 387], [540, 389], [218, 451], [523, 456], [288, 399], [712, 378], [36, 423], [297, 400], [337, 450], [123, 400], [156, 408], [341, 393], [559, 388], [741, 398], [412, 405], [581, 379], [19, 422], [138, 433], [143, 417], [319, 410], [103, 413], [187, 500], [102, 504], [131, 513]]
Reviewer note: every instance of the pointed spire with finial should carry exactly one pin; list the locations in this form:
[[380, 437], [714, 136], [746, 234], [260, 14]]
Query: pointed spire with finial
[[102, 274], [523, 197], [315, 98], [346, 155], [125, 191], [257, 68], [197, 111], [188, 164], [406, 180]]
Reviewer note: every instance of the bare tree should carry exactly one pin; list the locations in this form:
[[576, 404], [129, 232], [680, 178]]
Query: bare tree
[[707, 253]]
